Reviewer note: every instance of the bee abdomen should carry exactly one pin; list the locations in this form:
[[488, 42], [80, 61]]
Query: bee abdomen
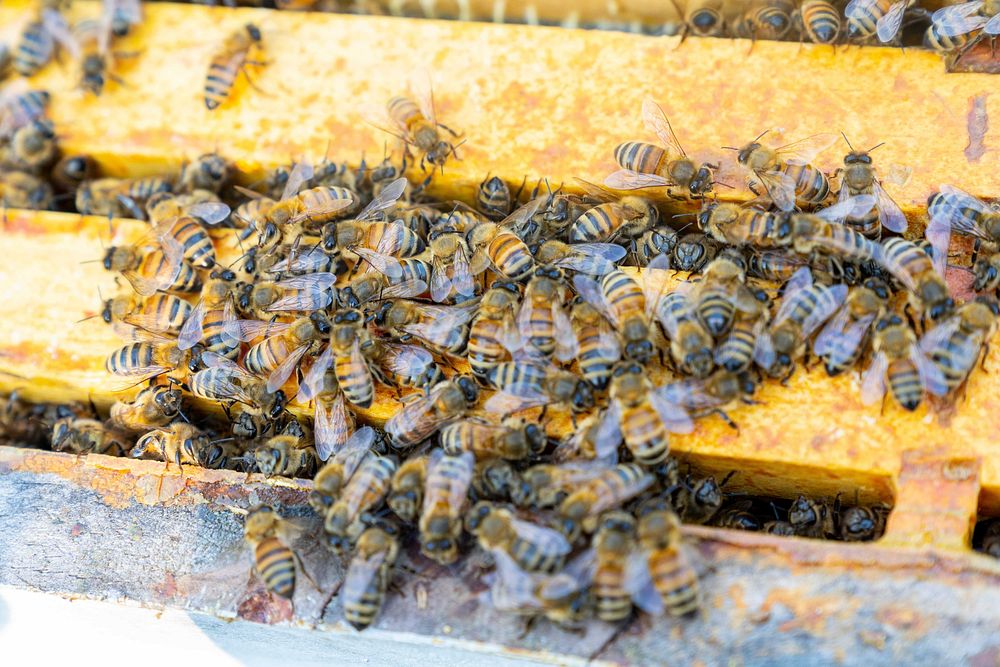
[[821, 21], [904, 380], [677, 584], [716, 311], [276, 566], [645, 435], [219, 82], [511, 256], [640, 157], [355, 381], [361, 613], [594, 225], [613, 602]]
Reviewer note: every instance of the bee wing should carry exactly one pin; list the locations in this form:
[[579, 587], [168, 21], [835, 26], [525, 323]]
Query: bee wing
[[780, 188], [889, 213], [245, 331], [209, 212], [890, 22], [522, 214], [654, 282], [312, 382], [332, 425], [962, 25], [307, 260], [595, 259], [214, 360], [514, 399], [513, 588], [386, 199], [850, 206], [675, 417], [462, 274], [588, 290], [330, 208], [387, 265], [565, 336], [360, 574], [992, 26], [549, 542], [873, 379], [440, 281], [143, 286], [833, 330], [608, 433], [319, 281], [763, 350], [801, 279], [423, 92], [931, 376], [130, 9], [804, 151], [639, 584], [937, 335], [826, 308], [440, 321], [407, 360], [56, 25], [938, 234], [458, 486], [955, 12], [311, 298], [626, 179], [595, 191], [279, 376], [301, 174], [656, 122]]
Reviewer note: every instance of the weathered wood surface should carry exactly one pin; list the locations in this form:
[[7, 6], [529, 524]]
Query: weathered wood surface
[[97, 528]]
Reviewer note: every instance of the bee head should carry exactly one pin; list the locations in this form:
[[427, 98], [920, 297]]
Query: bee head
[[469, 389], [254, 32], [640, 350]]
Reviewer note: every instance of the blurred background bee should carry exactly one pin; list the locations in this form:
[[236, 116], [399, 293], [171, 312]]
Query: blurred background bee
[[446, 494], [369, 573], [876, 18], [819, 21], [953, 28], [240, 51]]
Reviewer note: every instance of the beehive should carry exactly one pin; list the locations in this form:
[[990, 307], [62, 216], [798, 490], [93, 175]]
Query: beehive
[[854, 602]]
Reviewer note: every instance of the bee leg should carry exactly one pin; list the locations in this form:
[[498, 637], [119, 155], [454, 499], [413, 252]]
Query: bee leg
[[453, 132], [726, 418], [250, 81], [529, 623], [301, 565]]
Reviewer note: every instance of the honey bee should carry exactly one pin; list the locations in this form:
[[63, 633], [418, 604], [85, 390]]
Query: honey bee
[[22, 190], [179, 443], [208, 172], [596, 259], [842, 340], [954, 210], [288, 455], [723, 292], [150, 268], [741, 226], [350, 366], [660, 240], [923, 277], [407, 494], [32, 148], [640, 416], [78, 435], [957, 343], [870, 18], [560, 597], [706, 396], [210, 319], [339, 469], [804, 307], [124, 15], [737, 517], [614, 543], [533, 548], [440, 328], [423, 415], [364, 492], [491, 325], [766, 19], [705, 18], [774, 266], [37, 42], [266, 533], [663, 560], [647, 165], [417, 125], [196, 245], [786, 173], [369, 573], [859, 524], [451, 274], [811, 519], [691, 345], [598, 347], [159, 313], [952, 27], [546, 485], [495, 245], [494, 198], [699, 500], [513, 440], [152, 407], [307, 293], [89, 43], [542, 323], [591, 498], [145, 360], [446, 494], [859, 179], [232, 59], [523, 384], [900, 365], [735, 352], [781, 528], [278, 355], [222, 380], [30, 424], [819, 21], [617, 217]]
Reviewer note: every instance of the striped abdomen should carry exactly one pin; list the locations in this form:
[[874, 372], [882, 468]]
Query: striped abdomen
[[211, 328], [613, 601], [531, 558], [276, 566], [540, 327], [314, 200], [642, 158], [674, 580], [864, 21], [34, 49], [735, 353], [509, 373], [821, 21], [132, 359], [493, 198], [485, 349], [775, 266], [808, 300], [402, 241], [197, 244], [811, 185], [593, 356], [956, 356], [155, 266], [222, 73], [361, 612], [624, 295], [645, 434], [510, 256], [715, 309], [355, 380], [266, 355], [905, 384], [404, 111], [942, 205], [765, 229], [935, 40], [168, 311], [598, 224], [141, 189]]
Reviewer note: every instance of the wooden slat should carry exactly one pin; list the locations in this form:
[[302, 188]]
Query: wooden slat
[[555, 103]]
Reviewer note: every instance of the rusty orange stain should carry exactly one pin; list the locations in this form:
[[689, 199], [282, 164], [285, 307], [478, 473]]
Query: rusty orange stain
[[904, 619]]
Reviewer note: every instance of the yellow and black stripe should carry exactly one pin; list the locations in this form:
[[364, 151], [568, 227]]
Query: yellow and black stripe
[[276, 567]]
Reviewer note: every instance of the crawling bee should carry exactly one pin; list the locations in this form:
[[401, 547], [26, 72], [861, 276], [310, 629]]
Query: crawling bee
[[290, 454], [699, 500], [446, 494], [598, 346], [513, 440], [611, 488], [859, 178], [957, 343], [723, 292], [491, 325], [151, 268], [364, 492], [811, 519], [160, 314], [646, 165], [307, 293], [953, 28], [842, 340], [451, 273], [274, 561], [691, 345], [617, 217], [542, 322], [524, 384], [954, 210], [496, 245], [705, 396], [208, 172], [494, 198], [152, 407], [417, 125], [338, 470], [407, 494], [224, 381], [369, 573], [440, 328], [232, 59], [920, 275], [534, 548], [37, 42], [705, 18], [900, 365], [875, 18], [423, 415], [859, 524], [179, 443], [741, 226], [819, 21], [562, 597], [278, 356], [663, 559], [786, 173], [145, 360], [78, 435], [613, 544], [766, 19], [546, 485]]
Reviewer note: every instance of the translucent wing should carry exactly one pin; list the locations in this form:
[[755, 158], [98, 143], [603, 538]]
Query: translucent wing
[[301, 174], [890, 22], [55, 24], [848, 207], [312, 298], [595, 191], [191, 331], [591, 292], [440, 281], [608, 433], [312, 382], [330, 208], [825, 308], [675, 417], [423, 90], [992, 26], [331, 425], [938, 335], [625, 179], [360, 574], [654, 282], [565, 336], [514, 399], [462, 274], [513, 588], [938, 234], [801, 279], [245, 331], [639, 584], [873, 379], [953, 12], [407, 360], [889, 213], [387, 265], [763, 351], [960, 25], [213, 360], [458, 484], [780, 188], [804, 151], [594, 259], [931, 376], [833, 330], [440, 321], [548, 541], [130, 10], [657, 123], [522, 214], [209, 212], [385, 200], [279, 376]]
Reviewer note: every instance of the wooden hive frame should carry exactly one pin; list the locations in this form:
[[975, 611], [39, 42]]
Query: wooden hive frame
[[521, 118]]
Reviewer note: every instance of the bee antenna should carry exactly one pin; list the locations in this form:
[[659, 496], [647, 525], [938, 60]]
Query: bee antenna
[[757, 138], [725, 185], [726, 478], [847, 140], [730, 148], [89, 317], [876, 146]]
